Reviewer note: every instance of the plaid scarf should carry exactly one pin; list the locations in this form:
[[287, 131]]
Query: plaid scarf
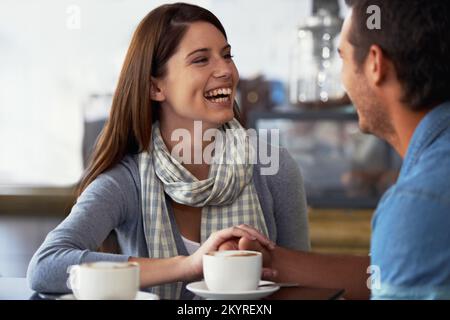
[[227, 197]]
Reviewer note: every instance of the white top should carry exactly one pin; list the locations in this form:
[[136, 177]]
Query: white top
[[191, 246]]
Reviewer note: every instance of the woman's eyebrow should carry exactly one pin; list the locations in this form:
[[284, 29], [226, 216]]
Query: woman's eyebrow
[[206, 50], [198, 50]]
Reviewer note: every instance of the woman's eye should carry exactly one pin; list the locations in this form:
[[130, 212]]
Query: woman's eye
[[228, 56], [200, 60]]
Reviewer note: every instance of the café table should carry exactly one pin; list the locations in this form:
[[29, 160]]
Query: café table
[[17, 289]]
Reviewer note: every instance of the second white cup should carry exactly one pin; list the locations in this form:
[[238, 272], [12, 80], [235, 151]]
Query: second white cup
[[105, 281]]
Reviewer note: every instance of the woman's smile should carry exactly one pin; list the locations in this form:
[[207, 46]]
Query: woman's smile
[[220, 97]]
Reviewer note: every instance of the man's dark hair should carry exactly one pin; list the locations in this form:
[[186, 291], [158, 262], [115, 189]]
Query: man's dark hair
[[415, 36]]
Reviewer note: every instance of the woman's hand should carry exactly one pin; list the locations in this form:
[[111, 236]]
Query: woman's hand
[[194, 262]]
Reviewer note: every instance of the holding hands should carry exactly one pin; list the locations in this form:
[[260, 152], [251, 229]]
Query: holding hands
[[242, 237]]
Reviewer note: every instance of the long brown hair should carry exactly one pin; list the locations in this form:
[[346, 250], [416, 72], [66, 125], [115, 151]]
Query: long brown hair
[[128, 129]]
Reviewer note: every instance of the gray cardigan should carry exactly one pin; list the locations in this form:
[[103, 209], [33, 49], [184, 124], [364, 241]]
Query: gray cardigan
[[112, 202]]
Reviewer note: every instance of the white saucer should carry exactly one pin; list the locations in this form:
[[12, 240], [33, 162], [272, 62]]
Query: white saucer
[[141, 295], [201, 290]]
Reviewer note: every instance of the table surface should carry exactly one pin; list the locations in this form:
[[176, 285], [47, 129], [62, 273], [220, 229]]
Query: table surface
[[17, 289]]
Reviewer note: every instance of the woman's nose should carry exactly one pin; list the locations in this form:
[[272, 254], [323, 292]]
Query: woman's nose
[[223, 69]]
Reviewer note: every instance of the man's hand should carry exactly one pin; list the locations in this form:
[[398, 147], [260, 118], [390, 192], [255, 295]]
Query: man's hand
[[194, 263], [232, 244]]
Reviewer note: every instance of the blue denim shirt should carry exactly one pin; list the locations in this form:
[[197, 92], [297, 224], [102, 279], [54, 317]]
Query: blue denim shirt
[[411, 227]]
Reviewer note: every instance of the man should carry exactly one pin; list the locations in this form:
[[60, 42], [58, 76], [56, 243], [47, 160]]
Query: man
[[398, 78]]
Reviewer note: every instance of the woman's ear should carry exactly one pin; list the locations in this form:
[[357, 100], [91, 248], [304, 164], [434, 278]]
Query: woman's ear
[[156, 92]]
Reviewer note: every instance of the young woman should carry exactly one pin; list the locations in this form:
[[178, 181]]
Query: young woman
[[167, 213]]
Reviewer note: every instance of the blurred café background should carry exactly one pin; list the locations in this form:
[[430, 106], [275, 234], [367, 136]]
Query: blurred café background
[[59, 63]]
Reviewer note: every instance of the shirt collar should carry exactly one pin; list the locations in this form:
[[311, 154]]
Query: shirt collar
[[429, 128]]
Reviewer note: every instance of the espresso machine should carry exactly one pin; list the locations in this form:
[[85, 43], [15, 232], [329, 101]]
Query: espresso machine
[[315, 65]]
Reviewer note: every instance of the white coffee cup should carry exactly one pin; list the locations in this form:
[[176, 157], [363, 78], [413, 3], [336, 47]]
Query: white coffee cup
[[105, 281], [232, 270]]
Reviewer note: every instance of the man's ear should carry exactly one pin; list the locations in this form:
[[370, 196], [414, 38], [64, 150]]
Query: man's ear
[[156, 92], [377, 65]]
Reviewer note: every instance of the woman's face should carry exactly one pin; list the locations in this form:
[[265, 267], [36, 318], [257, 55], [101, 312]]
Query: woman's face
[[201, 80]]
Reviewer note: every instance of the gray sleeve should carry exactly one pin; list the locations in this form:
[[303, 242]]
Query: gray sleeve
[[291, 214], [99, 209]]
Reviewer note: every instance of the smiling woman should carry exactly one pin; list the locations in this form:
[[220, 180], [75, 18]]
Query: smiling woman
[[203, 57], [168, 213]]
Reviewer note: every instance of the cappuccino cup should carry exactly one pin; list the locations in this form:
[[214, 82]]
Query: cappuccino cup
[[232, 270], [104, 281]]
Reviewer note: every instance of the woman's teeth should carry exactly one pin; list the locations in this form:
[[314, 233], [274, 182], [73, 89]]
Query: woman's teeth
[[219, 95], [220, 100]]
